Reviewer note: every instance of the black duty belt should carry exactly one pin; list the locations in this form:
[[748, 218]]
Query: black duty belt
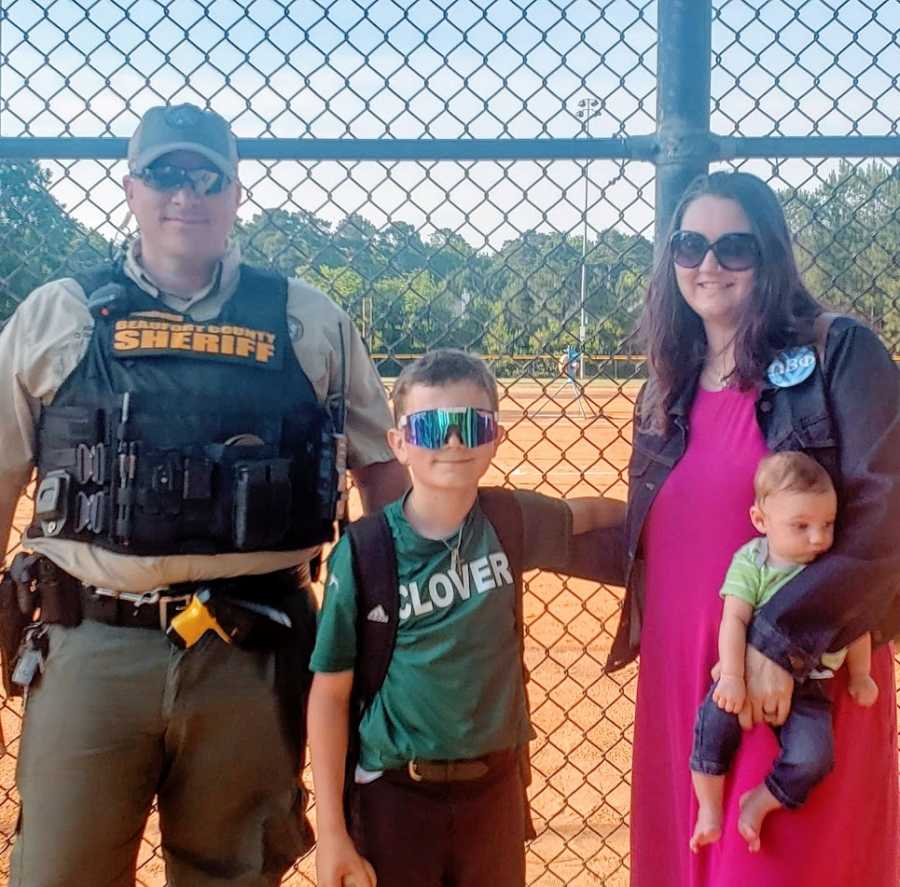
[[149, 609], [465, 770]]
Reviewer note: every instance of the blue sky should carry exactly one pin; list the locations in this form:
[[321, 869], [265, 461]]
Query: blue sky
[[435, 68]]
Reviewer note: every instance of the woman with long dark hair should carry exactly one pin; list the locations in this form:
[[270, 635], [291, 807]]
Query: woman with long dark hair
[[744, 362]]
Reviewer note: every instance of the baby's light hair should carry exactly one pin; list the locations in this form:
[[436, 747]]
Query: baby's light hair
[[790, 472], [441, 367]]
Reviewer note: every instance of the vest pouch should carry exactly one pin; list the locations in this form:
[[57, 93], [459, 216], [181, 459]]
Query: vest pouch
[[51, 502], [226, 460], [67, 433], [261, 503]]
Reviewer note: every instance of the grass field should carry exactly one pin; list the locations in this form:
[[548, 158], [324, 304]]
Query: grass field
[[559, 445]]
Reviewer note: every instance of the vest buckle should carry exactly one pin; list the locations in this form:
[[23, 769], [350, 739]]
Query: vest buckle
[[90, 512], [90, 463]]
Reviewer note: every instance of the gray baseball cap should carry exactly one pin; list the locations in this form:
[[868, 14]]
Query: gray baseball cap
[[185, 127]]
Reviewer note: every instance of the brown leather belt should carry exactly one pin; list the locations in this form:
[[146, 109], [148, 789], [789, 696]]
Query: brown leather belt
[[464, 770]]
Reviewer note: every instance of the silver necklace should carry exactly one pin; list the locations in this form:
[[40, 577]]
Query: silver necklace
[[454, 548]]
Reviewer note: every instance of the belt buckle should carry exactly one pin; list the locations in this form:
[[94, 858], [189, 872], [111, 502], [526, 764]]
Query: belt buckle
[[448, 771], [436, 771], [167, 601], [135, 598]]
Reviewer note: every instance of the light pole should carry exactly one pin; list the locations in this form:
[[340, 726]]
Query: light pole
[[587, 108]]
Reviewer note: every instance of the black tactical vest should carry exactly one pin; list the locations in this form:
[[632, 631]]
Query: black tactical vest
[[174, 436]]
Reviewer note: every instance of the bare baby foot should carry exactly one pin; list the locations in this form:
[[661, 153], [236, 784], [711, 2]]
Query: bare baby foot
[[755, 806], [707, 828], [863, 690]]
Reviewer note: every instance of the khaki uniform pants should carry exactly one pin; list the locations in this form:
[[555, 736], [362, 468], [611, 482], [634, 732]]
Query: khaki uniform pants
[[120, 716]]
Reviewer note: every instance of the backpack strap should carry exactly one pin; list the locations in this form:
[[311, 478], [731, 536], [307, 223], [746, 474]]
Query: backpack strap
[[377, 612], [377, 603], [504, 512]]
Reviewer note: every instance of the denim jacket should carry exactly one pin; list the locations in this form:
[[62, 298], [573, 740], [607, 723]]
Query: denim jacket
[[847, 416]]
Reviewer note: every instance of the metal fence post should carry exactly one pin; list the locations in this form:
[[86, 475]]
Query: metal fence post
[[684, 30]]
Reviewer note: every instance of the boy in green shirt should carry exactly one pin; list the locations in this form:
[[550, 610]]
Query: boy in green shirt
[[437, 797], [795, 508]]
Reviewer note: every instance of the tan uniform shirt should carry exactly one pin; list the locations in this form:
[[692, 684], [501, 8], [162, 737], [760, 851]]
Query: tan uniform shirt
[[47, 338]]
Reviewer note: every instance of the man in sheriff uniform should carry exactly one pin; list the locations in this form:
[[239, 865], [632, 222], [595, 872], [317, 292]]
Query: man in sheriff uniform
[[189, 417]]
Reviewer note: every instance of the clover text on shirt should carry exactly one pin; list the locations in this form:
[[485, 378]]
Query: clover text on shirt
[[481, 575]]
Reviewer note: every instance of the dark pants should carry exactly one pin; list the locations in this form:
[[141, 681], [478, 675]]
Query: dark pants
[[806, 740], [455, 834]]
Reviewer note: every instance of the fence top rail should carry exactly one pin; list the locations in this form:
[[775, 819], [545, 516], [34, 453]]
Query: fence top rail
[[764, 147], [640, 148], [109, 148]]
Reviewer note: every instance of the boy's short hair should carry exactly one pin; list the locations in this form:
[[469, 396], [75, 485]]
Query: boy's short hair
[[440, 367], [790, 472]]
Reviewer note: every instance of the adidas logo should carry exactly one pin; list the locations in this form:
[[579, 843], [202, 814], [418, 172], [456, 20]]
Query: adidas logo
[[377, 614]]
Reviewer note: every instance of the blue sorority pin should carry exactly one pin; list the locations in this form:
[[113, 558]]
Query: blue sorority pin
[[792, 366]]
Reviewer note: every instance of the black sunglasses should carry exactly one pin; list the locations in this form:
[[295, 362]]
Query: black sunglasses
[[734, 252], [166, 178]]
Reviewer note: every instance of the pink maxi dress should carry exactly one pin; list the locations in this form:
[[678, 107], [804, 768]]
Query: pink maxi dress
[[847, 833]]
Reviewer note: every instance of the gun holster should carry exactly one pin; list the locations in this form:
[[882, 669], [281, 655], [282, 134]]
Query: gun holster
[[33, 587], [40, 584], [12, 627]]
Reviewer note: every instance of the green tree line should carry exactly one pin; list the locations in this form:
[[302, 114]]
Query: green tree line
[[847, 233], [39, 240], [407, 292]]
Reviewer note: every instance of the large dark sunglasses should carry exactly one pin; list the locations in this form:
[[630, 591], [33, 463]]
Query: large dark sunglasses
[[734, 252], [431, 428], [167, 178]]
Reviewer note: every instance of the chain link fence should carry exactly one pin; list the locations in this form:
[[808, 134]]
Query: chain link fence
[[474, 174]]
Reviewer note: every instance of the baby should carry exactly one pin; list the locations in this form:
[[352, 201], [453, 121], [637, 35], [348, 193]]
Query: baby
[[795, 508]]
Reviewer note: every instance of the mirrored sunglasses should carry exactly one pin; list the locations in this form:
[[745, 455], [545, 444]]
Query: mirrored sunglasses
[[431, 428], [734, 252], [166, 178]]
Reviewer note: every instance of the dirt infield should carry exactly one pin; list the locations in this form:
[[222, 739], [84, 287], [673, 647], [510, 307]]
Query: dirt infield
[[561, 445]]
